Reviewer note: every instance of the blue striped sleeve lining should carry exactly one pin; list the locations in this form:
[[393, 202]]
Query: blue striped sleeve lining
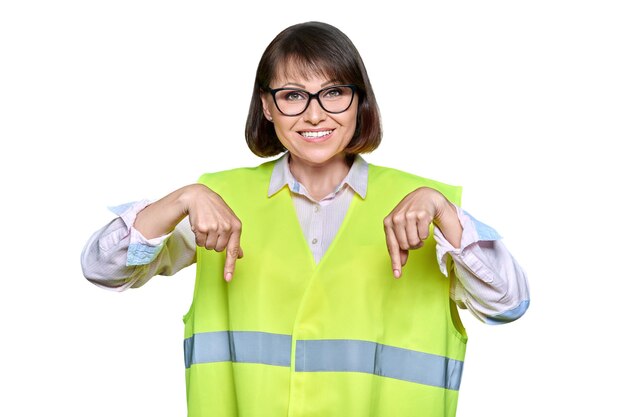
[[485, 233], [140, 254], [510, 315], [122, 208]]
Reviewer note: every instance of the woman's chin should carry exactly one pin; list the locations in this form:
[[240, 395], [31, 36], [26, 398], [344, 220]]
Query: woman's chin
[[318, 158]]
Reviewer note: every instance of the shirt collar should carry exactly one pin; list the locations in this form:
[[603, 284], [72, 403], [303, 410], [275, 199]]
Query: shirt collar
[[281, 176]]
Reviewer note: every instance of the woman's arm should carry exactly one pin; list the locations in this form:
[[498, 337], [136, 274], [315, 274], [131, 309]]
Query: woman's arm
[[486, 278], [136, 246], [118, 256]]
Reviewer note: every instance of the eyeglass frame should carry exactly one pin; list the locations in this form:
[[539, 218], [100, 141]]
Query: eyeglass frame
[[311, 96]]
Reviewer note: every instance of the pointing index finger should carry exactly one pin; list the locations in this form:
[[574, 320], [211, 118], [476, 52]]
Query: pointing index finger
[[233, 252], [394, 252]]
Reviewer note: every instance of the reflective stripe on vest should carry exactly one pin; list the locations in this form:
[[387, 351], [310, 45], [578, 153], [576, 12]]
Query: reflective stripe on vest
[[229, 346], [324, 356], [378, 359]]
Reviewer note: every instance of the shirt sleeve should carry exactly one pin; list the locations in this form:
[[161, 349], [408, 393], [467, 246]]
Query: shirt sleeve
[[118, 256], [486, 279]]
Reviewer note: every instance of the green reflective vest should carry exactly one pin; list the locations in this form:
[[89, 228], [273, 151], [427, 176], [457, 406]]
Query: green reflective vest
[[341, 338]]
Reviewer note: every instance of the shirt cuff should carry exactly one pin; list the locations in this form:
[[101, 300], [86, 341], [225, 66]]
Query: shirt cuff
[[473, 231], [141, 251]]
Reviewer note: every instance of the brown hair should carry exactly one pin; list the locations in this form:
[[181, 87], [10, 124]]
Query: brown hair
[[321, 49]]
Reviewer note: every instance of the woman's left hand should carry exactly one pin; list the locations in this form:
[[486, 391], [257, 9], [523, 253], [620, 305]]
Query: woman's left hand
[[408, 224]]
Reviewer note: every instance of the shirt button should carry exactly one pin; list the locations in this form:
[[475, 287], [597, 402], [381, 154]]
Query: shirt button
[[316, 208], [314, 241]]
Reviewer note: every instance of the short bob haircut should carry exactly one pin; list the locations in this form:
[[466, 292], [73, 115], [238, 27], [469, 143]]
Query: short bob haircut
[[320, 49]]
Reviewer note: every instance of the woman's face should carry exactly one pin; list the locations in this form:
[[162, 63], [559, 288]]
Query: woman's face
[[314, 137]]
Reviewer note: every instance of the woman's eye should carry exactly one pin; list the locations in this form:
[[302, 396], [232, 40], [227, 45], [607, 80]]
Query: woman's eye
[[294, 95], [333, 93]]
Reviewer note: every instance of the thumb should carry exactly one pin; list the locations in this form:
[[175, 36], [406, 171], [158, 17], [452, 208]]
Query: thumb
[[404, 256]]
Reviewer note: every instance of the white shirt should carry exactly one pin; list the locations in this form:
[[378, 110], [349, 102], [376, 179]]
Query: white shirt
[[486, 280]]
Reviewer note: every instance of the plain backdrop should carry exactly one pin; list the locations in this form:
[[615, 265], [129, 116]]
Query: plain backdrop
[[101, 103]]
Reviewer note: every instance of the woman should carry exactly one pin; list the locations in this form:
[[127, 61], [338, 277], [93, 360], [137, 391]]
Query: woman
[[311, 321]]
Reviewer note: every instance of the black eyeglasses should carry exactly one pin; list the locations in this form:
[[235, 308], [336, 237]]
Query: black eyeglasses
[[334, 99]]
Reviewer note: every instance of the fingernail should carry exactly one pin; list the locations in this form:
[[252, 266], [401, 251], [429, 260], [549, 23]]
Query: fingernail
[[396, 273], [228, 276]]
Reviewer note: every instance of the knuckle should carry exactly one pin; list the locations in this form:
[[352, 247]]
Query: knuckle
[[219, 247], [398, 218], [388, 222], [414, 241], [200, 238], [423, 215], [225, 227], [206, 227]]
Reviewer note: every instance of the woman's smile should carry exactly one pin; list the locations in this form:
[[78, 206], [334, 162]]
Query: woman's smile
[[316, 135]]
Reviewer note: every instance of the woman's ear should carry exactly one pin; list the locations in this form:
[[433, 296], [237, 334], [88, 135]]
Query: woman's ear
[[266, 110]]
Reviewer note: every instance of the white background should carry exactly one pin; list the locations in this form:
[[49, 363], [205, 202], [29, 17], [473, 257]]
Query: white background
[[102, 103]]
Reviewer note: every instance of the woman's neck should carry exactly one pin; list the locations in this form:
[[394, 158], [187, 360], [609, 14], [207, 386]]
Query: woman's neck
[[320, 179]]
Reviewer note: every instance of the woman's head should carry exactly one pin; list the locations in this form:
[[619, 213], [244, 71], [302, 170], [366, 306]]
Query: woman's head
[[312, 51]]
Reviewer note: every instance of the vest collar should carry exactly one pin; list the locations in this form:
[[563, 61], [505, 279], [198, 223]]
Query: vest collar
[[282, 176]]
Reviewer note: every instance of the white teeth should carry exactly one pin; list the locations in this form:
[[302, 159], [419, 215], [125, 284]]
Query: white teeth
[[316, 134]]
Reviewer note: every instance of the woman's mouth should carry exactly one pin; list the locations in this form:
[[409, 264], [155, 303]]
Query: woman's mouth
[[316, 135]]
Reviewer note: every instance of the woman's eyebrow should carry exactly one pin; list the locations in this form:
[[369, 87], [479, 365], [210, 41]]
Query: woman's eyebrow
[[290, 84], [295, 84]]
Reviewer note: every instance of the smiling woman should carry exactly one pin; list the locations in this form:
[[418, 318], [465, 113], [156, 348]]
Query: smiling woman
[[314, 320]]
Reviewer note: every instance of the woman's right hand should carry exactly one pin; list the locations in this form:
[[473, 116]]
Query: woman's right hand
[[213, 223]]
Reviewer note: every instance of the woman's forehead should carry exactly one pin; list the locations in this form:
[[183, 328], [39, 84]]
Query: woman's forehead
[[294, 70]]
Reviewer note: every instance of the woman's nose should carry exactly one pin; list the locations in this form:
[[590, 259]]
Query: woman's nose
[[314, 113]]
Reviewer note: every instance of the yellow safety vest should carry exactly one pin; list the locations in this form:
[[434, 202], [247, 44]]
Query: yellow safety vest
[[341, 338]]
